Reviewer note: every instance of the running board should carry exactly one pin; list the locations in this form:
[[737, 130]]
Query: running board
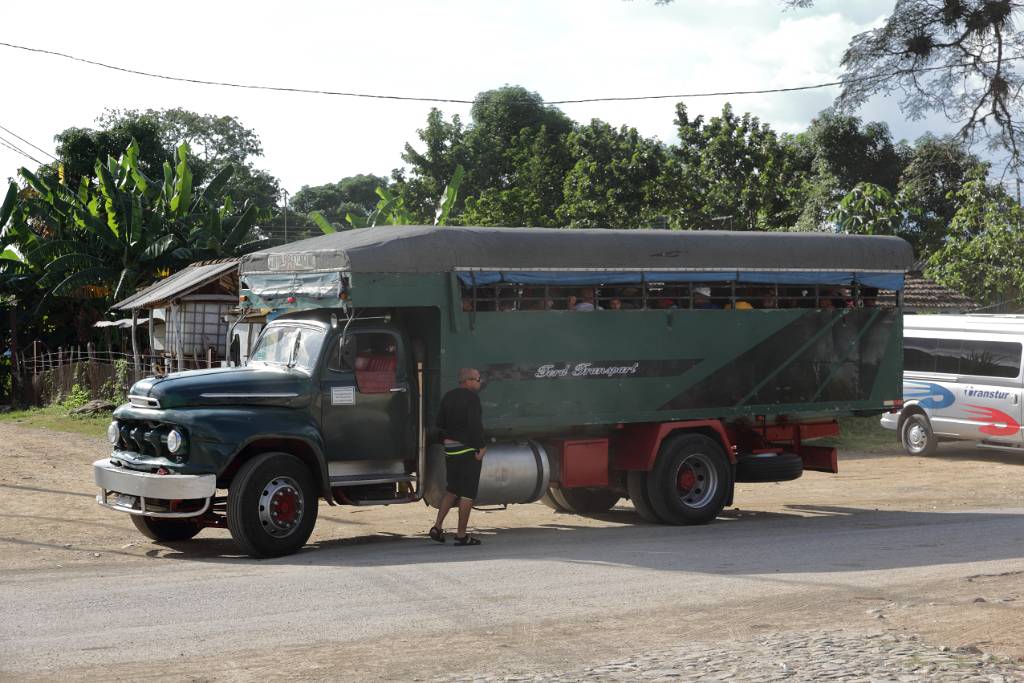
[[1000, 446], [363, 479]]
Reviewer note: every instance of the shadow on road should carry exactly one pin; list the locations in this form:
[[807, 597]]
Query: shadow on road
[[809, 539]]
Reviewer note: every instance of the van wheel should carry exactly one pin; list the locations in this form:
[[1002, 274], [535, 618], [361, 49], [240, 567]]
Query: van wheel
[[272, 505], [585, 501], [917, 436], [636, 486], [166, 529], [690, 480]]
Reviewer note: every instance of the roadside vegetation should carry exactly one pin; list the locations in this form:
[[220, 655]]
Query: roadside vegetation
[[57, 418]]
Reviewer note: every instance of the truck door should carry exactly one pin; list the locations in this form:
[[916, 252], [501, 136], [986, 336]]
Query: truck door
[[366, 399]]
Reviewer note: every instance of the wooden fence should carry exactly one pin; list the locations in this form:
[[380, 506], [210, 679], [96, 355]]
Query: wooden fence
[[51, 376]]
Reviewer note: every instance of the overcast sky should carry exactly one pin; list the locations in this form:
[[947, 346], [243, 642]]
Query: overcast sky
[[562, 49]]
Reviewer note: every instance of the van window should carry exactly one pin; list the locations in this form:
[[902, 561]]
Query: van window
[[947, 355], [962, 357], [990, 359], [919, 354]]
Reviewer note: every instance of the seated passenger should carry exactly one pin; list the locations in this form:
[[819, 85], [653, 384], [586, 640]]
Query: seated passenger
[[586, 300], [702, 298], [615, 304]]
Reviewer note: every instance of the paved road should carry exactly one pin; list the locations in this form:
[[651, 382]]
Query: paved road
[[557, 593]]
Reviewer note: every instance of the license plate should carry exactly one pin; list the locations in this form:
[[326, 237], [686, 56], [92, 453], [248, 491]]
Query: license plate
[[124, 500]]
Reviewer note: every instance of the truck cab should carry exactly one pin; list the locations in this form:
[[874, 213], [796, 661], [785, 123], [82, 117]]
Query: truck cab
[[331, 393]]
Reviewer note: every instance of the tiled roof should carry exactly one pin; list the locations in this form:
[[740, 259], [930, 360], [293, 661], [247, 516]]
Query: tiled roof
[[922, 294]]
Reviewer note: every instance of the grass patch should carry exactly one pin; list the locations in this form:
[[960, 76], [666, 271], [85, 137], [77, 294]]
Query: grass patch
[[56, 418], [862, 434]]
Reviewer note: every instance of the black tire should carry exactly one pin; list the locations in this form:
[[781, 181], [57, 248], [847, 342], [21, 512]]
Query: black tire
[[164, 529], [636, 486], [272, 505], [916, 435], [690, 480], [549, 500], [760, 467], [585, 501]]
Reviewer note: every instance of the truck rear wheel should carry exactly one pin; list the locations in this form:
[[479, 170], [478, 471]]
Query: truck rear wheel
[[585, 501], [166, 529], [690, 480], [549, 500], [272, 505], [636, 486]]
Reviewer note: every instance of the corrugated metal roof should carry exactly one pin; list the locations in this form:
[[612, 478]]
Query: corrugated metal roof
[[181, 283]]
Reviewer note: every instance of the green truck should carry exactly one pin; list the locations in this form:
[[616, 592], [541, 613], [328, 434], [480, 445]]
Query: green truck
[[658, 366]]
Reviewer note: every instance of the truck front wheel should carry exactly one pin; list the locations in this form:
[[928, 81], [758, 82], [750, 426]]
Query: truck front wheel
[[272, 505], [690, 480], [166, 529]]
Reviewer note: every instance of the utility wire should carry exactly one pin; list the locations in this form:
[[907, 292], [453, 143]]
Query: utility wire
[[28, 143], [310, 91], [10, 145]]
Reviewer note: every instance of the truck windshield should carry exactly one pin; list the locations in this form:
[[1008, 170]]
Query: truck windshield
[[290, 346]]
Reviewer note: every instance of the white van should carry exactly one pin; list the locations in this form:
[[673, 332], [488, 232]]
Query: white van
[[961, 381]]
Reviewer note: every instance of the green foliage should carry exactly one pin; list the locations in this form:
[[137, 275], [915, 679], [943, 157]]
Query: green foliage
[[983, 251], [214, 142], [868, 209], [727, 172], [615, 180], [352, 195], [110, 236], [76, 398]]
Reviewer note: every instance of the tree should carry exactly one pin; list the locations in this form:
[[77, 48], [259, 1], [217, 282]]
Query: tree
[[868, 209], [355, 194], [935, 170], [614, 181], [843, 151], [513, 151], [110, 236], [730, 172], [955, 57], [982, 254], [216, 141], [949, 56]]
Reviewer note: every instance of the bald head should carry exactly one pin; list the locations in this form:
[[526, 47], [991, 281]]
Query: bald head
[[469, 378]]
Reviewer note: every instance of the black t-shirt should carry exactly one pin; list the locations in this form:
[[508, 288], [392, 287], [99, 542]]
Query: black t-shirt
[[460, 418]]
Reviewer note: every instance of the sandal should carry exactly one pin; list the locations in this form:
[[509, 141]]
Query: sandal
[[436, 534], [466, 540]]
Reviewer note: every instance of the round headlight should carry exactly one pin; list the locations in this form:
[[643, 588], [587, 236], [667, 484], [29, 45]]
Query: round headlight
[[113, 433], [174, 440]]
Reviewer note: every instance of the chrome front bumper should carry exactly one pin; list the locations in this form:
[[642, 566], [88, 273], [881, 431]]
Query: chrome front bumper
[[890, 420], [131, 489]]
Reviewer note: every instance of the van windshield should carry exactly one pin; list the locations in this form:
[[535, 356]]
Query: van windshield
[[290, 346]]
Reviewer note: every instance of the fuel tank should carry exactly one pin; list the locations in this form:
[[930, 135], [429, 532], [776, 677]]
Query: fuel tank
[[511, 473]]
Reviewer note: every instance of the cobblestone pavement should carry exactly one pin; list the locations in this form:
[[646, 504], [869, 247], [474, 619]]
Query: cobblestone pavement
[[845, 657]]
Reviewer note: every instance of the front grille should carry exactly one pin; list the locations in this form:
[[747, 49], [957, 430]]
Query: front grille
[[144, 438]]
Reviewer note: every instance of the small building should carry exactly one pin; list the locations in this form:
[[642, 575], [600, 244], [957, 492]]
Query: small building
[[922, 295], [189, 313]]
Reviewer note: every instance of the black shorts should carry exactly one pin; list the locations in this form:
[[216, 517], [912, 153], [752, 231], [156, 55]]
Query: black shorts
[[463, 471]]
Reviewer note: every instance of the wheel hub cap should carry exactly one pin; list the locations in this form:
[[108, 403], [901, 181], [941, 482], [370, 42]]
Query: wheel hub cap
[[696, 480], [281, 506]]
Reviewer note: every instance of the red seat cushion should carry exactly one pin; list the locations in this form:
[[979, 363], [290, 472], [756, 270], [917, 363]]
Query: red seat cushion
[[375, 374]]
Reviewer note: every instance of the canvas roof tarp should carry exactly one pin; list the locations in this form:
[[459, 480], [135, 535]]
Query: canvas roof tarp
[[428, 249]]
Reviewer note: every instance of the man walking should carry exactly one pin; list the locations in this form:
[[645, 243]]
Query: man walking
[[462, 429]]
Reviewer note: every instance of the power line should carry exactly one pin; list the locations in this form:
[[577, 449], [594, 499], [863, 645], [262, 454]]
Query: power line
[[449, 100], [10, 145], [28, 143]]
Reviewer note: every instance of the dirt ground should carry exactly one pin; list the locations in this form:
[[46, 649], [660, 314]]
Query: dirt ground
[[49, 520]]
